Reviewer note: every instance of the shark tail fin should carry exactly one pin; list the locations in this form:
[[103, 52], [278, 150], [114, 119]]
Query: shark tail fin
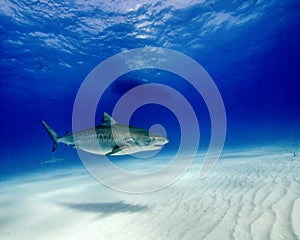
[[53, 135]]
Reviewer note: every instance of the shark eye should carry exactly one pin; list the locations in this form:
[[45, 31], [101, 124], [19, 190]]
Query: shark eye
[[130, 140]]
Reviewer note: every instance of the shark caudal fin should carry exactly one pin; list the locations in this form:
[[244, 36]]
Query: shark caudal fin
[[53, 135]]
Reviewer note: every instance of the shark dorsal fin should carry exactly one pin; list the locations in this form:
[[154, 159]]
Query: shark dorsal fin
[[107, 120]]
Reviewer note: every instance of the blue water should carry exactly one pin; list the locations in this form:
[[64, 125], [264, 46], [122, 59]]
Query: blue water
[[250, 48]]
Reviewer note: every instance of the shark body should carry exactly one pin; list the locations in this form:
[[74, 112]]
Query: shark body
[[110, 138]]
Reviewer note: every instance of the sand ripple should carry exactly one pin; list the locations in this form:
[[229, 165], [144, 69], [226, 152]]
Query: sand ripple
[[251, 194]]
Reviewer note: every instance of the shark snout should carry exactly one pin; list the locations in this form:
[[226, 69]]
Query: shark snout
[[165, 140], [160, 141]]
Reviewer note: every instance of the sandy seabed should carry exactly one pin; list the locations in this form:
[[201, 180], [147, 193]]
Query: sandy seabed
[[250, 194]]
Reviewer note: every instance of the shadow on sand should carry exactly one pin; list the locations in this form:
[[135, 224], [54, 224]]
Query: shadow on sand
[[105, 208]]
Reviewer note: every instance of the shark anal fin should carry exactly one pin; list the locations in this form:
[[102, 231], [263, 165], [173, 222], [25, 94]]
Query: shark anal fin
[[116, 150]]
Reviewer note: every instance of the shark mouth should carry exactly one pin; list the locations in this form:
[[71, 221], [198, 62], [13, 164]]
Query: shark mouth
[[158, 145]]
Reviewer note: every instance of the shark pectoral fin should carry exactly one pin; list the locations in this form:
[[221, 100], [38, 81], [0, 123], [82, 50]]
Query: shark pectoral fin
[[116, 149]]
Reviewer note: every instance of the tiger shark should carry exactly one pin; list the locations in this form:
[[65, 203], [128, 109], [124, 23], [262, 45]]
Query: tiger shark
[[109, 138], [49, 161]]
